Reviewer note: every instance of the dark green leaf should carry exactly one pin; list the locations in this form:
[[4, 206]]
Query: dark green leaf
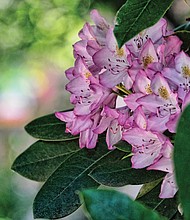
[[183, 27], [184, 36], [181, 160], [57, 197], [123, 146], [48, 128], [120, 173], [177, 216], [113, 205], [166, 207], [41, 159], [136, 15]]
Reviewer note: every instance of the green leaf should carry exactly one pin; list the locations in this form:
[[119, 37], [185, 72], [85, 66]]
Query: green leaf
[[177, 216], [183, 27], [57, 197], [48, 128], [147, 187], [181, 160], [184, 36], [112, 205], [166, 207], [136, 15], [41, 159], [120, 173], [123, 146]]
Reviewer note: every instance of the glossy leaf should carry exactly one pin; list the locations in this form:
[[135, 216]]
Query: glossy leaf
[[112, 205], [42, 158], [48, 128], [120, 173], [181, 160], [136, 15], [57, 198], [166, 207]]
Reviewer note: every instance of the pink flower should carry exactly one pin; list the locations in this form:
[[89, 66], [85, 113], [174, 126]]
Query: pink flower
[[155, 33], [163, 102], [180, 75], [113, 61], [146, 146], [134, 93], [75, 124], [169, 186], [113, 121]]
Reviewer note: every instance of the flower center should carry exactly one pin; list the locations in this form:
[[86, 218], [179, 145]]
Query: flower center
[[163, 92], [186, 71], [148, 89], [87, 75], [119, 52], [147, 60]]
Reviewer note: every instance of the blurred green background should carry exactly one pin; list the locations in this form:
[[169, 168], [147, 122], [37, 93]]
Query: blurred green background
[[36, 38]]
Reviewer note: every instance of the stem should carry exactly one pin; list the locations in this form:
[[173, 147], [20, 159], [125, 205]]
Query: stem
[[123, 89], [128, 155]]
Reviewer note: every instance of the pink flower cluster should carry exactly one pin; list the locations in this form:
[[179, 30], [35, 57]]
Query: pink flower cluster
[[135, 93]]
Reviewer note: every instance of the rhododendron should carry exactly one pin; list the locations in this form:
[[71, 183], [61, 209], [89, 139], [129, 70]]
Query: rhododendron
[[150, 74]]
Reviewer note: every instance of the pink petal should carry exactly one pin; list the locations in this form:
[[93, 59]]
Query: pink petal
[[109, 80], [86, 33], [131, 100], [164, 164], [140, 118], [148, 53], [182, 60], [156, 123], [172, 75], [65, 116], [113, 134], [151, 102], [142, 83], [159, 82], [169, 187], [88, 139], [136, 136]]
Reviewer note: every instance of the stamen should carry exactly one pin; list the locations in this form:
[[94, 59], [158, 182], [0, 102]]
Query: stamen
[[186, 71], [163, 92], [147, 60], [87, 75], [123, 89], [119, 52], [148, 89]]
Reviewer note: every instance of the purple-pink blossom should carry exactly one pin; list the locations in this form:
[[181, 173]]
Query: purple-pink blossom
[[135, 93]]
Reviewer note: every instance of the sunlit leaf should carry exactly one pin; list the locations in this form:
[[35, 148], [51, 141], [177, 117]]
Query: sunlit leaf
[[48, 128], [112, 205], [120, 173], [181, 160], [57, 197], [41, 159], [147, 187], [136, 15]]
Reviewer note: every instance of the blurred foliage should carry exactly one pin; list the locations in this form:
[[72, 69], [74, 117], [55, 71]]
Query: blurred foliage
[[44, 28]]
